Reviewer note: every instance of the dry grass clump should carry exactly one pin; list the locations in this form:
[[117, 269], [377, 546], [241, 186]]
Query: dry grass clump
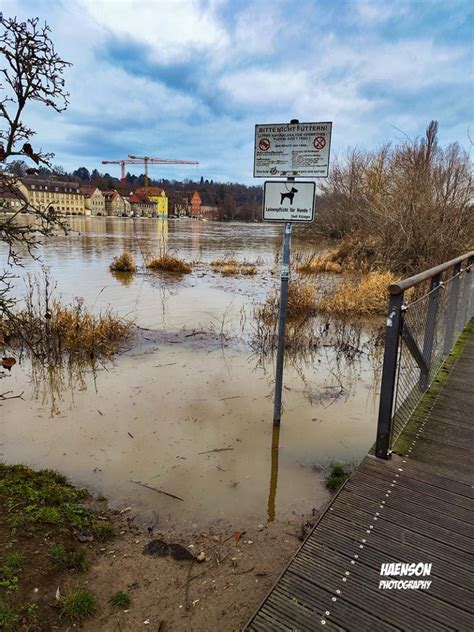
[[229, 270], [224, 262], [73, 329], [314, 264], [50, 330], [301, 304], [248, 270], [123, 263], [167, 263], [367, 297]]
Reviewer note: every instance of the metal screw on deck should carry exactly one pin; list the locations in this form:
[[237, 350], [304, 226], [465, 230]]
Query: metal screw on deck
[[284, 276]]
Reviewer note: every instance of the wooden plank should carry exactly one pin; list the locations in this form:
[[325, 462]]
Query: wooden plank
[[369, 572], [417, 496], [411, 610], [414, 483]]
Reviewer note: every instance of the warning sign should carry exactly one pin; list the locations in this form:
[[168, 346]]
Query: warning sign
[[292, 149], [288, 201]]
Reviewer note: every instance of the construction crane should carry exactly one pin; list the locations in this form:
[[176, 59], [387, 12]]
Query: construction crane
[[145, 160]]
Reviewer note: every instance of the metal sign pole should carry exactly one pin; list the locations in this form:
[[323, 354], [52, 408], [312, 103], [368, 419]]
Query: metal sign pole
[[284, 275]]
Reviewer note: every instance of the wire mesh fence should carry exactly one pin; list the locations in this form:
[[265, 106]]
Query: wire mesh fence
[[432, 314]]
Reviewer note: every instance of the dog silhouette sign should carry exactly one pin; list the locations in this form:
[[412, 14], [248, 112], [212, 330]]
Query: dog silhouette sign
[[288, 201]]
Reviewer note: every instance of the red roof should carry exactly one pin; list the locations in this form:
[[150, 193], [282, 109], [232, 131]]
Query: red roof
[[149, 191], [139, 198]]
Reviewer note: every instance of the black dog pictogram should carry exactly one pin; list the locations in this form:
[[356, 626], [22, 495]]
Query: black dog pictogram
[[290, 195]]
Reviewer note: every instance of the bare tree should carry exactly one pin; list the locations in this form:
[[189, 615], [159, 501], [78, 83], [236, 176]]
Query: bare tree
[[31, 71]]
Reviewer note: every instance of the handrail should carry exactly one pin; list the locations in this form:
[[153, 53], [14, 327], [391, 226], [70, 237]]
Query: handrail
[[405, 284], [419, 336]]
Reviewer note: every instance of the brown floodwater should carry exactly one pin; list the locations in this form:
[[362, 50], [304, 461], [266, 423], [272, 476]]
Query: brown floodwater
[[188, 408]]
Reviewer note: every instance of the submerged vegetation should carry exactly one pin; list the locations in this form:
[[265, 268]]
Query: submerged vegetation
[[50, 330], [124, 263], [366, 297], [315, 264], [168, 263]]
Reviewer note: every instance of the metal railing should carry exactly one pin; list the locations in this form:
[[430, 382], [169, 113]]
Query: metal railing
[[426, 315]]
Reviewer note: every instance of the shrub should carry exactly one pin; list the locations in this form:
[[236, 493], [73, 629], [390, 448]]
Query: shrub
[[367, 297], [123, 263], [78, 605], [168, 263], [403, 207]]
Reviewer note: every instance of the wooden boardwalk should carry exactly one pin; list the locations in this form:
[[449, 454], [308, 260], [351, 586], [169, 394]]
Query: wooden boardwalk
[[411, 509]]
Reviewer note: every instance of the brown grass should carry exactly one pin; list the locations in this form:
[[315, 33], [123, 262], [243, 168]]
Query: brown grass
[[248, 270], [167, 263], [367, 297], [49, 330], [224, 262], [229, 270], [323, 263], [123, 263], [301, 303]]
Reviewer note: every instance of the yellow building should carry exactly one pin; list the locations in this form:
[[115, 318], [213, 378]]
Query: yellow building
[[158, 195], [64, 197]]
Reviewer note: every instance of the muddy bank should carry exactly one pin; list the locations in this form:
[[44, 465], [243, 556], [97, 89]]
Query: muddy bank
[[67, 560]]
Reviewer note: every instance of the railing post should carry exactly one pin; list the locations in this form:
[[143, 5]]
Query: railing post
[[452, 311], [430, 330], [389, 373], [466, 293]]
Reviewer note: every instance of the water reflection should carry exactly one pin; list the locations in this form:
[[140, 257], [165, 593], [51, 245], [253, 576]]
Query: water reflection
[[190, 384], [271, 508]]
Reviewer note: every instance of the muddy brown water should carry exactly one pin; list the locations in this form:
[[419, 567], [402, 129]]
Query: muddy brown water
[[188, 408]]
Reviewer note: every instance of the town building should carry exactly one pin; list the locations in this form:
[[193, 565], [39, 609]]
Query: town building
[[141, 205], [94, 201], [114, 203], [202, 206], [61, 196], [158, 195], [13, 196], [178, 203]]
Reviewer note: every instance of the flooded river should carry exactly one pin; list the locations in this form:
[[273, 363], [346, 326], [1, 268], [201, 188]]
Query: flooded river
[[188, 408]]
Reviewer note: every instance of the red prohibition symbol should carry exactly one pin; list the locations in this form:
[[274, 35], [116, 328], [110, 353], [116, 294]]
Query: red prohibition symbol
[[264, 144], [319, 142]]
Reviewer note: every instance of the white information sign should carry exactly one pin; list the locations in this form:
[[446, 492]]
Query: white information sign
[[288, 201], [292, 149]]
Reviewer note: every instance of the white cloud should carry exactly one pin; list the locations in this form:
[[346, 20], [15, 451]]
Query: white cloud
[[172, 29]]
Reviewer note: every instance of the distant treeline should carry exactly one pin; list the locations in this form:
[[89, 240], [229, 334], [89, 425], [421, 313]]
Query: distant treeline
[[236, 201]]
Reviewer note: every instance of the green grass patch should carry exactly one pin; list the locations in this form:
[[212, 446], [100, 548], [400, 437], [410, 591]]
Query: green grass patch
[[69, 559], [9, 616], [336, 477], [33, 499], [78, 605], [103, 531], [120, 599], [9, 572]]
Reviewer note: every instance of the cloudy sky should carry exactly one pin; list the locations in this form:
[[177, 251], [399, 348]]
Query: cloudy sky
[[189, 79]]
